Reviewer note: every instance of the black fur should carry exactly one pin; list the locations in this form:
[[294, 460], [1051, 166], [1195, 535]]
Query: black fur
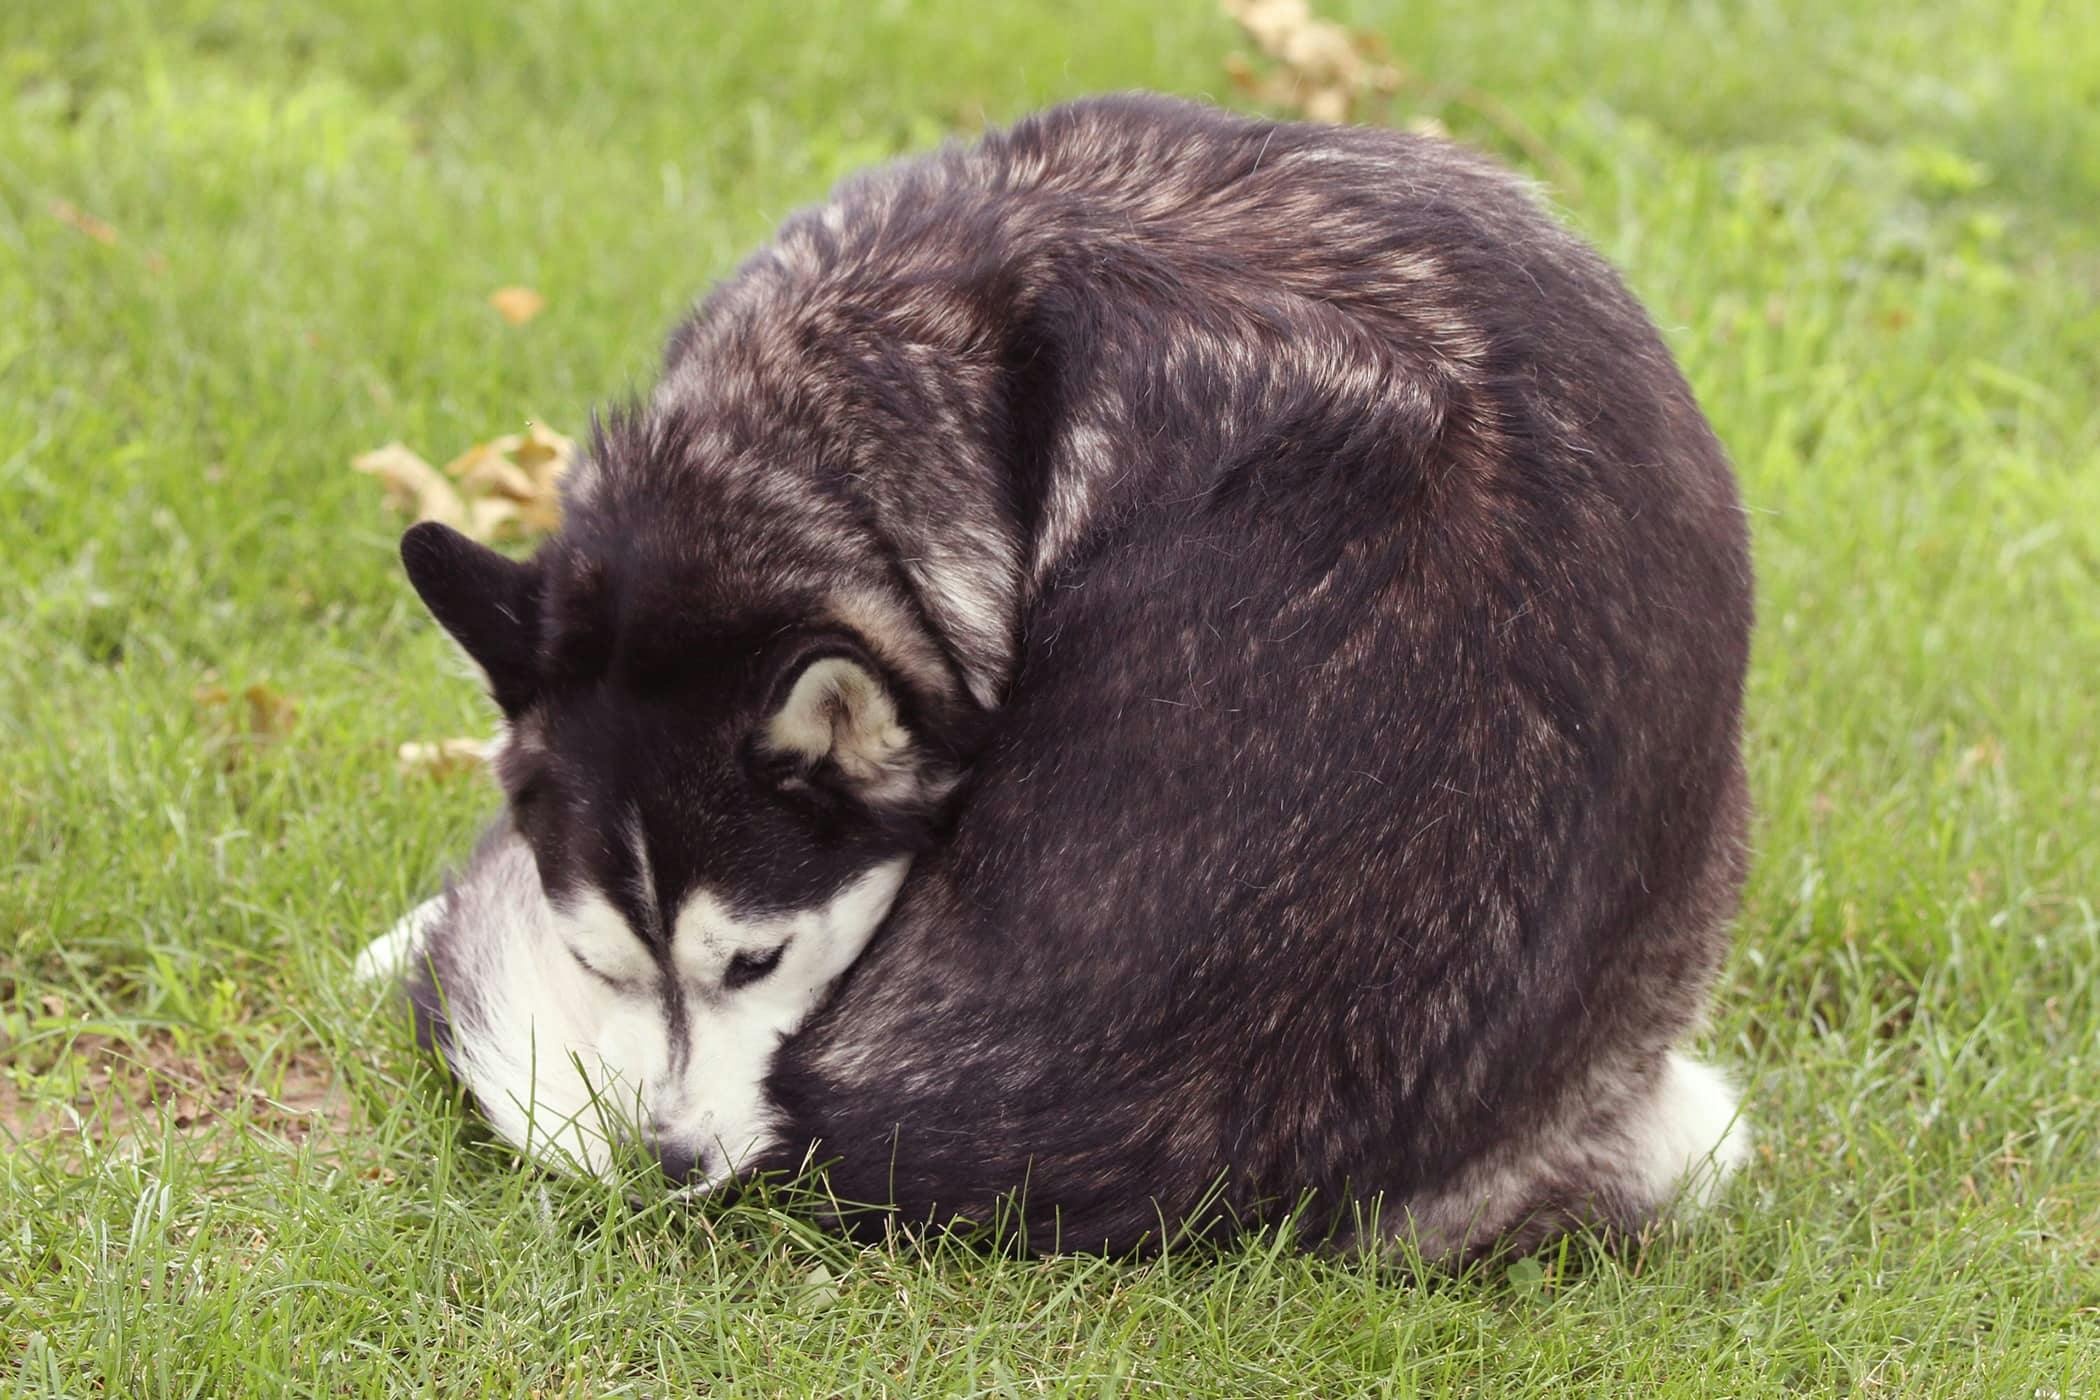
[[1335, 601], [489, 603]]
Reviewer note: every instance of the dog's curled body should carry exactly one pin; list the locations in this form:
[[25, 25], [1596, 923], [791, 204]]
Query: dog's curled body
[[1329, 611]]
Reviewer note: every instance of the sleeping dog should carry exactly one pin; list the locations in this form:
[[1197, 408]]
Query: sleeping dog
[[1154, 670]]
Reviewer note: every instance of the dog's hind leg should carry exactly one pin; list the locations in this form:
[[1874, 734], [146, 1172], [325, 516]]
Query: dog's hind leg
[[1688, 1138], [1667, 1140]]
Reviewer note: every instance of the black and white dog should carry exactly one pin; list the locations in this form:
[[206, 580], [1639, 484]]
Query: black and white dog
[[1158, 669]]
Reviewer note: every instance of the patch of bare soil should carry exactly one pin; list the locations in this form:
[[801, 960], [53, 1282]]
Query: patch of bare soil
[[110, 1095]]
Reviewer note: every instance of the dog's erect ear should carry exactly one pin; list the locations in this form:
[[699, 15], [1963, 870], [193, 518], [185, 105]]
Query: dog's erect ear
[[835, 720], [490, 605]]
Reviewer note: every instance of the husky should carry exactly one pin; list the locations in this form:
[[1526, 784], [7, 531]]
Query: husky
[[1154, 672]]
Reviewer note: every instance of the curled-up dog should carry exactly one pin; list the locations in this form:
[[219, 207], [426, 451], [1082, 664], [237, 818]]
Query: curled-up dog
[[1152, 671]]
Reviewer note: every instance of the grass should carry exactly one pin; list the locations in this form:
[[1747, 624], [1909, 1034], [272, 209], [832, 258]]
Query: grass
[[1868, 234]]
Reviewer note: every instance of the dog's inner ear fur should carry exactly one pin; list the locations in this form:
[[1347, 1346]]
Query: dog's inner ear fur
[[839, 719], [490, 604]]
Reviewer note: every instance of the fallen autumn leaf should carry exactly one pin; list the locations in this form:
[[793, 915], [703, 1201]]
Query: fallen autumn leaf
[[508, 488], [517, 305], [441, 758], [1325, 71], [413, 486], [84, 222]]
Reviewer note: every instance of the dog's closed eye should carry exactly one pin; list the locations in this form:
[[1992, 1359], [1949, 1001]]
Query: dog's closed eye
[[748, 967], [593, 969]]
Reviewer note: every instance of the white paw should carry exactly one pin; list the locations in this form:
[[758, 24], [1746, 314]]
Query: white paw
[[388, 956]]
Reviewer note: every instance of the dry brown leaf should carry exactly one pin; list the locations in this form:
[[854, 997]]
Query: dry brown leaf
[[1323, 70], [260, 715], [271, 713], [1986, 755], [1327, 73], [517, 305], [493, 518], [508, 488], [540, 452], [543, 452], [265, 712], [491, 473], [539, 516], [84, 222], [442, 758], [413, 486]]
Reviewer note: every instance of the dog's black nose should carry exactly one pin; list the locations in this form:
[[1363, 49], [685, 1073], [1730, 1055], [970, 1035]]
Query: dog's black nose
[[682, 1165]]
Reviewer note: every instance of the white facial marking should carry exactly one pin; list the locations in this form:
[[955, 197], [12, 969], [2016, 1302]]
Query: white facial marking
[[597, 935], [569, 1061], [556, 1054], [719, 1106]]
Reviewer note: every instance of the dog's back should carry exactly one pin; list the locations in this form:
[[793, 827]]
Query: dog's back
[[1366, 809]]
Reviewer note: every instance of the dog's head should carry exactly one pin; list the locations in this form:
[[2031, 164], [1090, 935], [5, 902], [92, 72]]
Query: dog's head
[[580, 1070], [720, 804]]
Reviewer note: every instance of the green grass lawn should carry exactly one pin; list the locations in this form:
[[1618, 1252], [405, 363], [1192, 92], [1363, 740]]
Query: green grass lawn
[[241, 242]]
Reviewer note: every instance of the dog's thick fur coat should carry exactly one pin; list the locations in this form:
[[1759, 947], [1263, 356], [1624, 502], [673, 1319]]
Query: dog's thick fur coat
[[1276, 586]]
